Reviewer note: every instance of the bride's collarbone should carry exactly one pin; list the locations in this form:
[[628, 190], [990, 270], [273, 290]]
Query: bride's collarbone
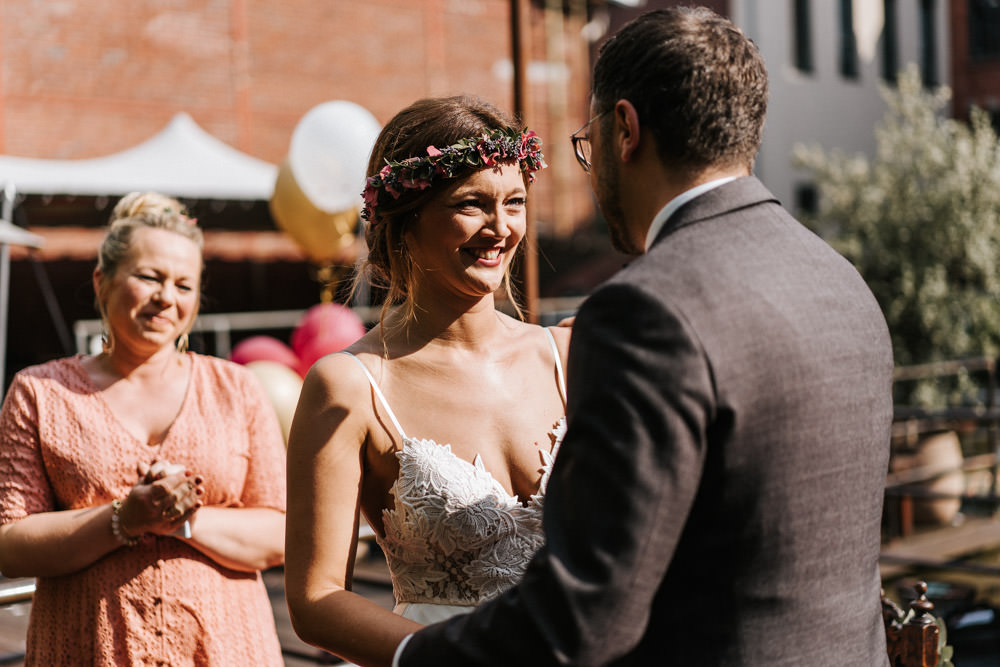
[[502, 410], [473, 406], [474, 378]]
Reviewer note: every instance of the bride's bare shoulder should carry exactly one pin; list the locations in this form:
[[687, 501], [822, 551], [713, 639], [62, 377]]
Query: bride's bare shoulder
[[340, 377]]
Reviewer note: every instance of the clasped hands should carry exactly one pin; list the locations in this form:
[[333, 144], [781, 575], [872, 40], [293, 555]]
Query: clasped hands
[[165, 497]]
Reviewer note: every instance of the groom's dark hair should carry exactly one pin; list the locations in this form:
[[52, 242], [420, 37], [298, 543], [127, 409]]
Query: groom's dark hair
[[698, 83]]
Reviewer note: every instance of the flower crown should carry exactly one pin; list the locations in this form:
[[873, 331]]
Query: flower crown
[[492, 149]]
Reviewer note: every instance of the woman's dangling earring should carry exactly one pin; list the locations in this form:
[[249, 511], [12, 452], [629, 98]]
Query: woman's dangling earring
[[182, 343], [106, 341]]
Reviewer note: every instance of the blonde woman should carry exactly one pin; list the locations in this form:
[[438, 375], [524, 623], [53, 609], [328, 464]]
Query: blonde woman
[[143, 486]]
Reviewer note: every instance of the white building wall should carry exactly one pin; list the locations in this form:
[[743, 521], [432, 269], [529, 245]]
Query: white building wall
[[822, 106]]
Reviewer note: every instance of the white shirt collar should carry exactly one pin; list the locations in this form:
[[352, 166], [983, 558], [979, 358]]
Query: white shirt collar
[[678, 201]]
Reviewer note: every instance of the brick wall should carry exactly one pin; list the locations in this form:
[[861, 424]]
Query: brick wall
[[85, 78]]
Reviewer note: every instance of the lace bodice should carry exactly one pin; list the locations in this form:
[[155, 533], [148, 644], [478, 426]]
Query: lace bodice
[[454, 535]]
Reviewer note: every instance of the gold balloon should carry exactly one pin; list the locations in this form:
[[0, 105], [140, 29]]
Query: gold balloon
[[324, 237]]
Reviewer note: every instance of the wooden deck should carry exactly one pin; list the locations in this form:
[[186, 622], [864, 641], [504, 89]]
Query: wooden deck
[[945, 548]]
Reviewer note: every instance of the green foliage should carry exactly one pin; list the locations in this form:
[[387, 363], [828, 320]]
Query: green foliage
[[945, 652], [921, 222]]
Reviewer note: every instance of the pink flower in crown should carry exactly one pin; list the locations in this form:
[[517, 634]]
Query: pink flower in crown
[[489, 158], [525, 148], [433, 152], [409, 178], [410, 183], [371, 192]]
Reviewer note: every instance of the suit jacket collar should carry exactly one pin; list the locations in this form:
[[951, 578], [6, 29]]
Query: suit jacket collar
[[728, 197], [676, 203]]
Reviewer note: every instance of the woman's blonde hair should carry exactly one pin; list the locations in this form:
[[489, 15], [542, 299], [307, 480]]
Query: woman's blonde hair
[[134, 211]]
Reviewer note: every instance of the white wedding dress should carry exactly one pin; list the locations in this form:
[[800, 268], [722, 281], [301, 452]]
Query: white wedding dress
[[454, 537]]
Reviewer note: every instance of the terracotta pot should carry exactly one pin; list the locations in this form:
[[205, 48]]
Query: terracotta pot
[[935, 452]]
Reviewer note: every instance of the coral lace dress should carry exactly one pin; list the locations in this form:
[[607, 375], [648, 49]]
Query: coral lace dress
[[161, 602]]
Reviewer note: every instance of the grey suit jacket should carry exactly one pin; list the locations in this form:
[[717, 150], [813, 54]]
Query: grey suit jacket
[[718, 495]]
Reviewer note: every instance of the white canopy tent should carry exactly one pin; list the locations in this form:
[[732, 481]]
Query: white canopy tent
[[181, 160], [11, 234]]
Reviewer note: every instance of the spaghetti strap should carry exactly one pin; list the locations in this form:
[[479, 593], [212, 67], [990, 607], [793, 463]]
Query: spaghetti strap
[[559, 368], [381, 397]]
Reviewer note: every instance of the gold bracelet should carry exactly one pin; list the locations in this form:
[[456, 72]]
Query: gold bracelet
[[116, 525]]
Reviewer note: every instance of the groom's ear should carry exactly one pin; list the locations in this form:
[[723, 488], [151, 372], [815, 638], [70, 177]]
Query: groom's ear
[[626, 132]]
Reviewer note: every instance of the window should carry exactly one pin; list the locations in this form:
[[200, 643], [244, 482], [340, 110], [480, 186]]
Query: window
[[984, 29], [803, 36], [848, 43], [890, 41], [806, 199], [928, 43]]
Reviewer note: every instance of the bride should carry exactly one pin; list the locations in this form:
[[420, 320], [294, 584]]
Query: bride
[[441, 423]]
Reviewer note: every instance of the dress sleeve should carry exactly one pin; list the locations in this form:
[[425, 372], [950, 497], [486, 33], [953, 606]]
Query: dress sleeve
[[265, 481], [24, 485]]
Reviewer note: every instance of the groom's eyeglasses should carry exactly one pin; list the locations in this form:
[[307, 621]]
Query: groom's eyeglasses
[[581, 143]]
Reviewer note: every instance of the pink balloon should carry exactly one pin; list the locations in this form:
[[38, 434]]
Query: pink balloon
[[264, 348], [324, 329]]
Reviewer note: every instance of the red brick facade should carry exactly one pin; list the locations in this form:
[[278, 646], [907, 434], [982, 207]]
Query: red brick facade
[[85, 78], [88, 78]]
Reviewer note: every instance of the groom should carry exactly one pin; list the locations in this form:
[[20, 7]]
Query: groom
[[717, 497]]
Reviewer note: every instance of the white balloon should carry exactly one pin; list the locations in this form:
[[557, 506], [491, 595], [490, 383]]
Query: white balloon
[[329, 154]]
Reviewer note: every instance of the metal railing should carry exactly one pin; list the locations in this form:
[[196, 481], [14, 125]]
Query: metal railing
[[221, 326], [14, 591]]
